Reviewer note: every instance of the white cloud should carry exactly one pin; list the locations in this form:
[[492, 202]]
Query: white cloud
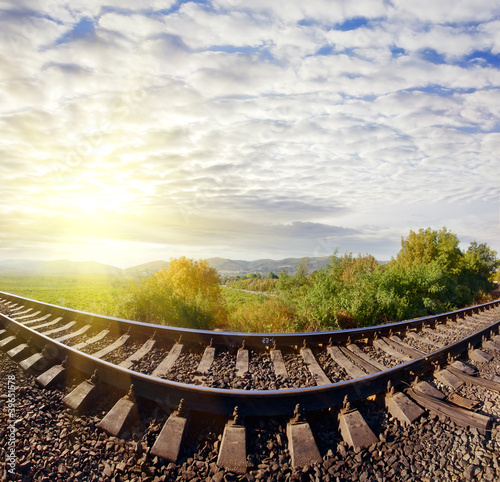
[[258, 125]]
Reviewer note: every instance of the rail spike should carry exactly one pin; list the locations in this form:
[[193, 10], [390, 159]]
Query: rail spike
[[93, 379], [130, 394], [181, 409], [298, 415], [346, 405], [390, 389], [237, 418]]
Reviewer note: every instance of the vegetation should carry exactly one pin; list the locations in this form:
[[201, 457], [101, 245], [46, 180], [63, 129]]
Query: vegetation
[[430, 274], [185, 294], [93, 293]]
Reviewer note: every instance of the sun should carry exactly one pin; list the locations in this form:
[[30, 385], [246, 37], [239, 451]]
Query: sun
[[109, 198]]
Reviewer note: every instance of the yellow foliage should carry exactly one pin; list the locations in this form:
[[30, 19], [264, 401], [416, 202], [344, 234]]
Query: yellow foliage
[[272, 316], [185, 294]]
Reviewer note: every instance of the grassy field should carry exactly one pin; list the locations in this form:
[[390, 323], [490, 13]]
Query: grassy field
[[236, 298], [92, 293], [96, 293]]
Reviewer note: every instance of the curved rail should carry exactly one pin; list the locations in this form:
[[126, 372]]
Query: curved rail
[[250, 402]]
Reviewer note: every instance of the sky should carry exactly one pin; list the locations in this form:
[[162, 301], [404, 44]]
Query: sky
[[140, 130]]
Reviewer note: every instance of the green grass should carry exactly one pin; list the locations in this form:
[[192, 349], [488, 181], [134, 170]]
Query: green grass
[[93, 293], [235, 298], [98, 294]]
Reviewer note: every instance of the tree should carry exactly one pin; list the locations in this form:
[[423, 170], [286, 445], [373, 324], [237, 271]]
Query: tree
[[187, 294], [481, 259], [271, 275], [302, 272], [479, 266], [428, 246]]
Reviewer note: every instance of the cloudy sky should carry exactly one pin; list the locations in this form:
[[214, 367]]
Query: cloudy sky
[[142, 130]]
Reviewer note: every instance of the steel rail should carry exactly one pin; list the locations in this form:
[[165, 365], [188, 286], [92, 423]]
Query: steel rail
[[259, 340], [250, 402]]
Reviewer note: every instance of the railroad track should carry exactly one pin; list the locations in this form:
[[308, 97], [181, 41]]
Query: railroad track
[[241, 376]]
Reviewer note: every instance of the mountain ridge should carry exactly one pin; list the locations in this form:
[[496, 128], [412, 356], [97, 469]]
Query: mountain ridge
[[224, 266]]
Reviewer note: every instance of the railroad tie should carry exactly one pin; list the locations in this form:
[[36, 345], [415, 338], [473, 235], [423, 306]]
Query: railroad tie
[[429, 390], [301, 444], [34, 363], [241, 362], [403, 349], [74, 334], [480, 356], [43, 325], [18, 352], [233, 452], [278, 364], [168, 362], [446, 377], [340, 359], [139, 354], [407, 349], [356, 350], [491, 345], [14, 317], [2, 332], [80, 398], [459, 415], [59, 330], [382, 345], [402, 407], [206, 360], [112, 347], [464, 368], [91, 341], [42, 318], [168, 443], [479, 381], [8, 343], [25, 317], [314, 368], [354, 429], [123, 413], [53, 376]]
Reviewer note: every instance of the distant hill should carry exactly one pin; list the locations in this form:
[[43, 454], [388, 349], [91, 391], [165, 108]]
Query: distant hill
[[224, 266], [62, 266], [146, 268], [227, 267]]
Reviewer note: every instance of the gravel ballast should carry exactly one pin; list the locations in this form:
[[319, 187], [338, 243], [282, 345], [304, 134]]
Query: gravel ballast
[[52, 444]]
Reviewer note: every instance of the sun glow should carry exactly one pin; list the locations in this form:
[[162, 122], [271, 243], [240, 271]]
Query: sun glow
[[108, 198]]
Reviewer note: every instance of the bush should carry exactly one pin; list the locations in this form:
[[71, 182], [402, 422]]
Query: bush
[[269, 317], [187, 294]]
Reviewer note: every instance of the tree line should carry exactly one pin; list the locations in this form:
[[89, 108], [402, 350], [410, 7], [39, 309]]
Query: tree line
[[430, 274]]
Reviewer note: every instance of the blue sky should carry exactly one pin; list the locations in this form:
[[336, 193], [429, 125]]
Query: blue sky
[[134, 131]]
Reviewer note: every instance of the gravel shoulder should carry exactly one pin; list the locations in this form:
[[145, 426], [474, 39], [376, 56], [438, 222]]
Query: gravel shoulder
[[52, 444]]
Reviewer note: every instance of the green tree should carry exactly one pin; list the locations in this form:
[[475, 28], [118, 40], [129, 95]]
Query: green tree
[[186, 294], [480, 264], [427, 246]]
